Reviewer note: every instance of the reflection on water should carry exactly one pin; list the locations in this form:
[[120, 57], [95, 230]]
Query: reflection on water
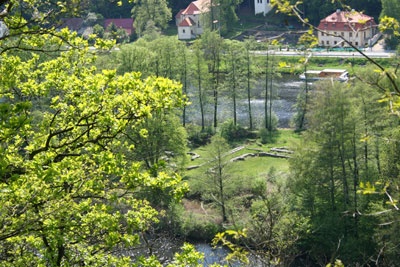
[[211, 255], [285, 91]]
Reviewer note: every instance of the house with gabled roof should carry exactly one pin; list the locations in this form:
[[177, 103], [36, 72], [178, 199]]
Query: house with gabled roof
[[78, 24], [188, 20], [356, 28]]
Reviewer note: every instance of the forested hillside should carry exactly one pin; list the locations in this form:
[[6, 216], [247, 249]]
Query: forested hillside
[[102, 162]]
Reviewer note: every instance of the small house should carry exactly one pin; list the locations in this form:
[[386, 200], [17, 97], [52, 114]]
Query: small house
[[188, 20]]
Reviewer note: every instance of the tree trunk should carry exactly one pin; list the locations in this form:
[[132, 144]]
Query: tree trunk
[[184, 86], [266, 93], [234, 90], [248, 90], [200, 93]]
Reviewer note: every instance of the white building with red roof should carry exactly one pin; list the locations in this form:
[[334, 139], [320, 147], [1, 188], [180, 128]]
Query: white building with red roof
[[189, 20], [356, 28]]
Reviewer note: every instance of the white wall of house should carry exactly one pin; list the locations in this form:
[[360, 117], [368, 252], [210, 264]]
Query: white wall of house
[[184, 33], [359, 38], [262, 6], [197, 29]]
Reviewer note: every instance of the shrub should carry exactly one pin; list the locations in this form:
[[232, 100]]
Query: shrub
[[264, 135], [196, 227], [197, 137], [232, 132]]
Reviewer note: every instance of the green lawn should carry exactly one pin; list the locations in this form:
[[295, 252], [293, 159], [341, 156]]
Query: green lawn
[[251, 167]]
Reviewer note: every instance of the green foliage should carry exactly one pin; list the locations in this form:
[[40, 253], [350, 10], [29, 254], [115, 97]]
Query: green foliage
[[188, 257], [154, 11], [232, 133], [159, 139], [112, 32], [98, 30], [226, 14], [198, 228], [198, 137], [308, 39], [228, 239], [343, 137], [266, 136], [337, 263], [68, 195]]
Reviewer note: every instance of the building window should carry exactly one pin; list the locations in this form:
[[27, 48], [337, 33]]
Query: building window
[[356, 43], [342, 33], [322, 42], [335, 42], [183, 30], [327, 42], [322, 34], [350, 34]]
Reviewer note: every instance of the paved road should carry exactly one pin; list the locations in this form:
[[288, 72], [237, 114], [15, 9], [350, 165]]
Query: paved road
[[371, 54]]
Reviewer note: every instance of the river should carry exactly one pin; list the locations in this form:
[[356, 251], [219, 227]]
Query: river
[[285, 90]]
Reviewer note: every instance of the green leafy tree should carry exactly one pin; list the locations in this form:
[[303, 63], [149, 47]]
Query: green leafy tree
[[136, 57], [227, 14], [390, 10], [112, 32], [69, 196], [200, 75], [159, 140], [331, 167], [269, 122], [156, 11], [98, 30], [63, 180], [251, 74], [235, 78], [212, 45], [368, 161], [218, 175]]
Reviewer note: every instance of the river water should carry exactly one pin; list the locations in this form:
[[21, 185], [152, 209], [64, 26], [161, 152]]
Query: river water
[[284, 94]]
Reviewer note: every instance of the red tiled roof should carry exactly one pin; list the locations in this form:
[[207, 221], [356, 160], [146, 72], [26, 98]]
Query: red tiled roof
[[187, 22], [126, 24], [197, 7], [346, 21]]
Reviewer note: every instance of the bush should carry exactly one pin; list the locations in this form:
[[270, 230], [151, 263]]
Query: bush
[[195, 227], [231, 132], [197, 137], [264, 135]]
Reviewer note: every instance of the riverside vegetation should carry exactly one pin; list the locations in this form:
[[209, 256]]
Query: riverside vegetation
[[94, 149]]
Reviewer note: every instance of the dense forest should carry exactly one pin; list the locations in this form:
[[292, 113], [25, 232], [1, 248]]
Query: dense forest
[[103, 164]]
